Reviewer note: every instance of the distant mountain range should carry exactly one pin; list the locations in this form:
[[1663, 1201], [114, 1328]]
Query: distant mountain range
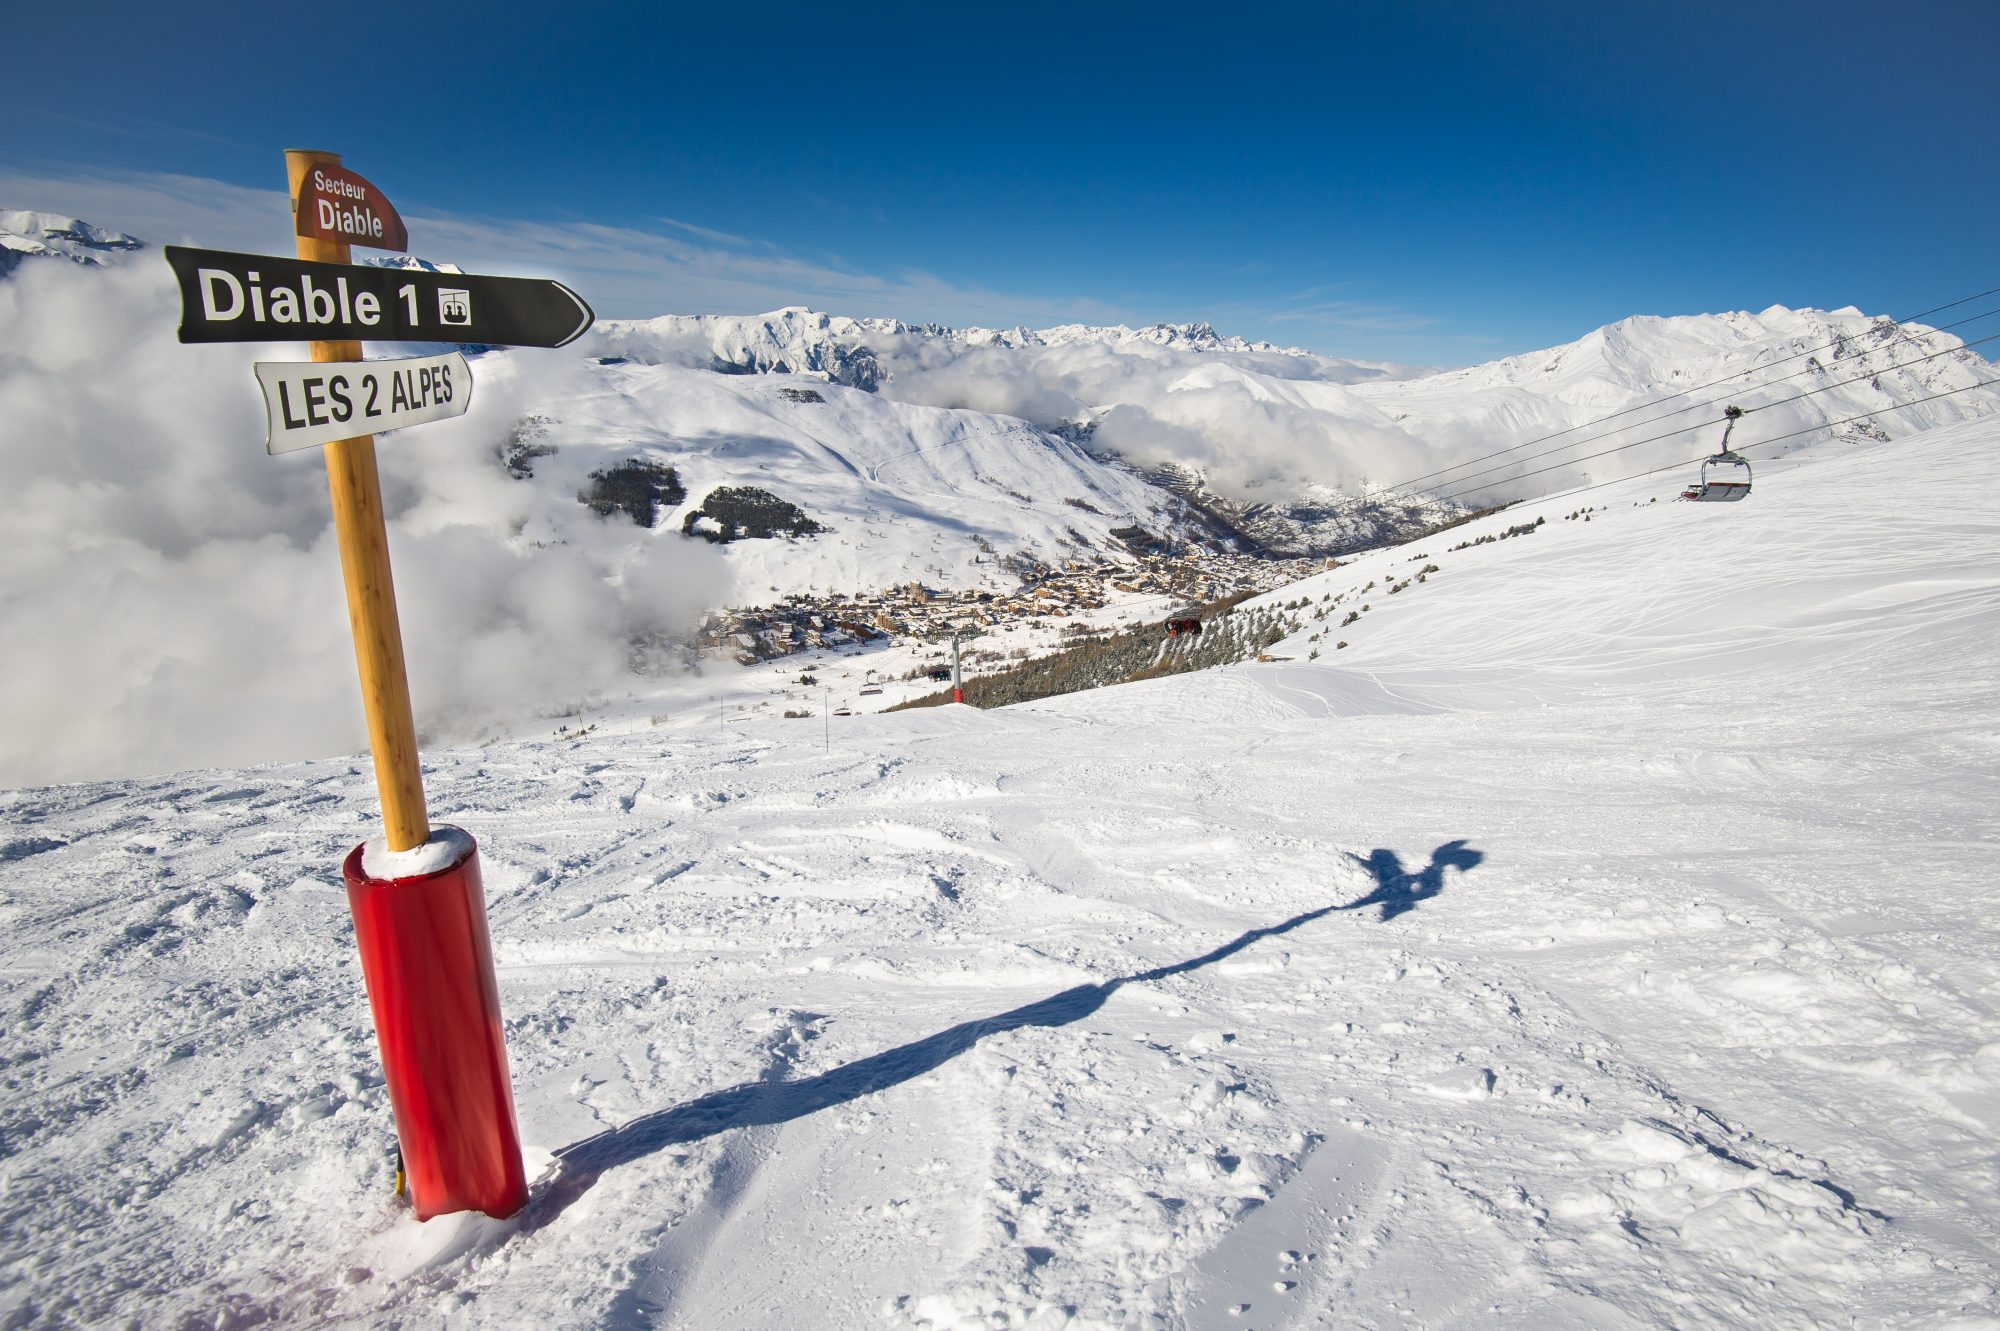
[[866, 353], [25, 235], [1187, 435], [560, 544], [1282, 450]]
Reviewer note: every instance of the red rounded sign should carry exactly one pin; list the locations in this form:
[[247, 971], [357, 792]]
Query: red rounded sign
[[336, 204]]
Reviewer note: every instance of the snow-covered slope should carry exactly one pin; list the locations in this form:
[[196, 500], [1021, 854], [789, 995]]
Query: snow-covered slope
[[951, 498], [1602, 939], [408, 262], [1797, 368], [1098, 386]]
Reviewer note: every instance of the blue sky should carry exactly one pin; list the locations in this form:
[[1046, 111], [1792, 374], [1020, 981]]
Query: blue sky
[[1435, 183]]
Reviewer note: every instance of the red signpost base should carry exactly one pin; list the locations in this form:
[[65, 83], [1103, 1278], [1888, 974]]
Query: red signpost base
[[958, 695], [428, 965]]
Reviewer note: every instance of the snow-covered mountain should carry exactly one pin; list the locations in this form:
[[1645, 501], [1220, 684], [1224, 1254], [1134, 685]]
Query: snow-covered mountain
[[25, 235], [1293, 452], [1275, 449], [407, 262], [1792, 369], [1582, 918], [953, 498], [596, 501], [868, 353]]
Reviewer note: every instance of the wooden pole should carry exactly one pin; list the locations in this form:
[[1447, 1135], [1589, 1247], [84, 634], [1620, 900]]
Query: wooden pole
[[371, 592]]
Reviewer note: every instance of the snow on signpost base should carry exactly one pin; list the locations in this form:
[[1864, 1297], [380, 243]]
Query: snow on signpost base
[[428, 962]]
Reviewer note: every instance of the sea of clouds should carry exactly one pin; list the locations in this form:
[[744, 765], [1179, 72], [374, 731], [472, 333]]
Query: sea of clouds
[[1238, 418], [172, 595]]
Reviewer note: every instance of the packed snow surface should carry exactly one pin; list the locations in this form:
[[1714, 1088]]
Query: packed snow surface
[[1604, 938]]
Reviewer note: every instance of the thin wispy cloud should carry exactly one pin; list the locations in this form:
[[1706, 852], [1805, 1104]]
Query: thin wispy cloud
[[1322, 314], [625, 272], [1354, 317], [128, 126], [706, 233], [1332, 305]]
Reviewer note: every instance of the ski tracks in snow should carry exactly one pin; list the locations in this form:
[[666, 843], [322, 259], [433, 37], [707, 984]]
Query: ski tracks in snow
[[1206, 1013]]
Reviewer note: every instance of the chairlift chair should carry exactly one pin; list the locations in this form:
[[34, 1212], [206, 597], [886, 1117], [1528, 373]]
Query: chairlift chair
[[1731, 471]]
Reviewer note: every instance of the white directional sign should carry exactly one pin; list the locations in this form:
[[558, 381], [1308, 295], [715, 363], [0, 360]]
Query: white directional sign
[[316, 402]]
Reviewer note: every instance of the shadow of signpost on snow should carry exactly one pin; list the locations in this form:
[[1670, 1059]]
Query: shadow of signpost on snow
[[762, 1103], [1397, 890]]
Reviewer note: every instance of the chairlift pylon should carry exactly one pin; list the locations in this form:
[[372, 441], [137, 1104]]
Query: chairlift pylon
[[1731, 478]]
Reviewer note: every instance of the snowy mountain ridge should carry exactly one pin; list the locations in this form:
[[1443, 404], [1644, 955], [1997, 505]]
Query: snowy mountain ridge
[[26, 235], [1652, 354], [866, 352], [1293, 454], [1259, 424], [1289, 437], [407, 263]]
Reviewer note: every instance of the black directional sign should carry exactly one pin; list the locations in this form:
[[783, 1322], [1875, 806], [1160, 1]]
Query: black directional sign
[[229, 297]]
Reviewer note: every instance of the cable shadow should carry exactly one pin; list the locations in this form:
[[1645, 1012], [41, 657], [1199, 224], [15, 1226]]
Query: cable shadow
[[757, 1104]]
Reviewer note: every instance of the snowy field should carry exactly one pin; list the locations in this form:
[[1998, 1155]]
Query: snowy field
[[1604, 939]]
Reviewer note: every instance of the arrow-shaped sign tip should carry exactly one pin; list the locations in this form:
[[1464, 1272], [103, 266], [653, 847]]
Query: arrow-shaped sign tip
[[589, 316]]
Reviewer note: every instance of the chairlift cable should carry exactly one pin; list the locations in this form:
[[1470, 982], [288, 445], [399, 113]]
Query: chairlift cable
[[1709, 402], [1706, 402], [1697, 425], [1899, 324], [1874, 374], [1775, 439]]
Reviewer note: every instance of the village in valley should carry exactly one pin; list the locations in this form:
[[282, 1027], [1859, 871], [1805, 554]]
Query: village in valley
[[1052, 603]]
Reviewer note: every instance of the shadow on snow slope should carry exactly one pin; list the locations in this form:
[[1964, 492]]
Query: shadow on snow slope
[[1397, 890], [762, 1103]]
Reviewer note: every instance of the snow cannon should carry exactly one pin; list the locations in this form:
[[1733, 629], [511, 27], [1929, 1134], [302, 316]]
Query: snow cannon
[[420, 923]]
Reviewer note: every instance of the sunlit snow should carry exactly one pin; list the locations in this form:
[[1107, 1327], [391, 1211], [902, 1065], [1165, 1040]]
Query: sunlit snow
[[1603, 938]]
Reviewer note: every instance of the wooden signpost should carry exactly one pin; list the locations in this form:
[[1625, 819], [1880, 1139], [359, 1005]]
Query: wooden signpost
[[356, 490], [418, 902]]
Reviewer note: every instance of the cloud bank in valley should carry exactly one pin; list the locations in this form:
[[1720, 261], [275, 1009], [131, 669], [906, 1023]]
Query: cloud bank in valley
[[1259, 422], [1250, 422], [174, 594]]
